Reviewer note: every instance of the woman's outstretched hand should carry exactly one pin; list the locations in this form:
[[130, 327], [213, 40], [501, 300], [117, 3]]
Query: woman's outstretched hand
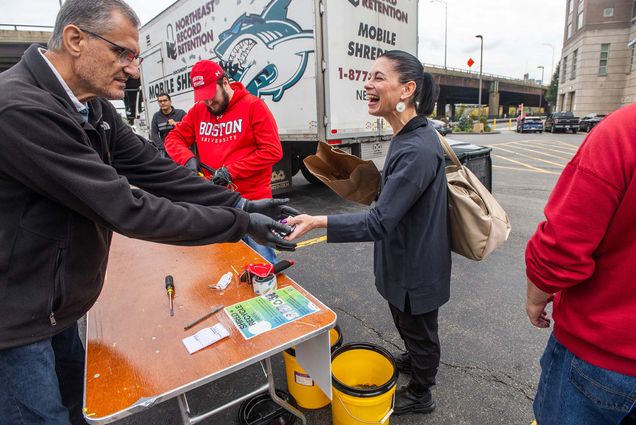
[[305, 223]]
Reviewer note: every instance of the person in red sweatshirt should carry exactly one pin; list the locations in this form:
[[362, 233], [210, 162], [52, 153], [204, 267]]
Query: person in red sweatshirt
[[583, 256], [236, 137]]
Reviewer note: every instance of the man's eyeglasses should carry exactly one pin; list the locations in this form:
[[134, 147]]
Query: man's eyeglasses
[[126, 56]]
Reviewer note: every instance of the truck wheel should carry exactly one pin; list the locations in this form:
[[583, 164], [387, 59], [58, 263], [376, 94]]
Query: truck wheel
[[310, 177]]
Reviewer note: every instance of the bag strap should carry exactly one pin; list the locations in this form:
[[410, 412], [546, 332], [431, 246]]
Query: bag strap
[[449, 151]]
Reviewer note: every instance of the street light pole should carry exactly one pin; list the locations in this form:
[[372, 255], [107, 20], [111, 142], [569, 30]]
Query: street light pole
[[445, 3], [541, 92], [552, 47], [481, 60]]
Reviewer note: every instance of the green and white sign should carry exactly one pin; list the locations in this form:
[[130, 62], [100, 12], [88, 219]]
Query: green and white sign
[[261, 314]]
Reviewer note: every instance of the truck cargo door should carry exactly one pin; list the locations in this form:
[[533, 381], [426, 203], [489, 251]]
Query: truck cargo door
[[153, 80], [357, 33]]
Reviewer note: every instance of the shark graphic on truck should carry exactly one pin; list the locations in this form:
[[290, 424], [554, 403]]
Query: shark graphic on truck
[[268, 53]]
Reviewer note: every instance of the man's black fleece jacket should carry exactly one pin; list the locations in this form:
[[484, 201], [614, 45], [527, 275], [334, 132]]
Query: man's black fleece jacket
[[65, 187]]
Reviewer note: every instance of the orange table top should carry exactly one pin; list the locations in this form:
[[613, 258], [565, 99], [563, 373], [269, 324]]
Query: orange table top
[[134, 347]]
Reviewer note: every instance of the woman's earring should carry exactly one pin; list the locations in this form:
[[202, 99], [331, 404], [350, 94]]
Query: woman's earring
[[400, 107]]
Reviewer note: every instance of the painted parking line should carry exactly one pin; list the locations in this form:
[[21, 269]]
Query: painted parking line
[[551, 148], [541, 142], [556, 144], [515, 168], [523, 164], [311, 241], [308, 242], [530, 156], [540, 152], [576, 147]]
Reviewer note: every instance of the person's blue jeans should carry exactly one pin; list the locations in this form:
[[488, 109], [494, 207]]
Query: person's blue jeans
[[574, 392], [42, 382], [266, 252]]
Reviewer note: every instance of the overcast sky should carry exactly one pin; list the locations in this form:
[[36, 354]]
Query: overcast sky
[[515, 31]]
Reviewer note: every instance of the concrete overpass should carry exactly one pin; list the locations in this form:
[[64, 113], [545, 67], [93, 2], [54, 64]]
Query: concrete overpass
[[15, 39], [498, 92]]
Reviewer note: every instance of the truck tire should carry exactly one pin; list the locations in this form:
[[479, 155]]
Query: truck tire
[[315, 181]]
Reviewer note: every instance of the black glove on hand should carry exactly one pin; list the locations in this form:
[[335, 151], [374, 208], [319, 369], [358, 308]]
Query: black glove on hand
[[260, 229], [192, 164], [273, 208], [222, 177]]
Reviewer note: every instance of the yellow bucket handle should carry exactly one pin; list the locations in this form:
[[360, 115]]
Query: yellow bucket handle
[[383, 420]]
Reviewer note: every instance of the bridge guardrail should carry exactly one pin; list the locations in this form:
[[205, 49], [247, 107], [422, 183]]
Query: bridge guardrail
[[24, 27], [476, 74]]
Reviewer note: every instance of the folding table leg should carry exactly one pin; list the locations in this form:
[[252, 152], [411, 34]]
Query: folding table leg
[[184, 409], [272, 392]]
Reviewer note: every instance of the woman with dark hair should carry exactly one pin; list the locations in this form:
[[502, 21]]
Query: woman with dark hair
[[408, 223]]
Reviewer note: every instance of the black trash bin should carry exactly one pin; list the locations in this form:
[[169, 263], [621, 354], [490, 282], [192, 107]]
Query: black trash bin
[[476, 159]]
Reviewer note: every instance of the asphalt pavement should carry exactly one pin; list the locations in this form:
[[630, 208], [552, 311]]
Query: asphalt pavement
[[490, 352]]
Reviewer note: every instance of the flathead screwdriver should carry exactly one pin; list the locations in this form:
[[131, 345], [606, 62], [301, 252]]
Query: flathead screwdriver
[[170, 290]]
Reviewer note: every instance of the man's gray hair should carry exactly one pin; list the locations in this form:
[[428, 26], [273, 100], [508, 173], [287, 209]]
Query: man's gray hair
[[91, 15]]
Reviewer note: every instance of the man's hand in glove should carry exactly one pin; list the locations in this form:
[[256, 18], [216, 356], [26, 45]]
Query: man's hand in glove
[[261, 230], [192, 164], [273, 208], [222, 177]]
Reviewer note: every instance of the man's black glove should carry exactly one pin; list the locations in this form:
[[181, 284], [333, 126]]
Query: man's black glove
[[192, 164], [273, 208], [261, 228], [222, 177]]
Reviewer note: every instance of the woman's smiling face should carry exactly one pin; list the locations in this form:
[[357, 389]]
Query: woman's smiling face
[[383, 89]]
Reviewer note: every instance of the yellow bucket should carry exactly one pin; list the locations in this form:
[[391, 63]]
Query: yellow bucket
[[299, 384], [364, 377]]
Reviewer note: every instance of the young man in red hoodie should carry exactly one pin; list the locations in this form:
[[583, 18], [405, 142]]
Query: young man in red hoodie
[[235, 134], [583, 256]]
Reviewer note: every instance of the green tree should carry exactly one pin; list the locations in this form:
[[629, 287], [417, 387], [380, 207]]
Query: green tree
[[465, 123], [551, 95]]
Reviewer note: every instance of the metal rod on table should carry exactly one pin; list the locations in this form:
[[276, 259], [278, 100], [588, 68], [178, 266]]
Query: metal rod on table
[[202, 318]]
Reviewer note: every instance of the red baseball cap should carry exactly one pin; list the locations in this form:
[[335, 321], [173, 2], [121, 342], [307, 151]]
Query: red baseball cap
[[204, 76]]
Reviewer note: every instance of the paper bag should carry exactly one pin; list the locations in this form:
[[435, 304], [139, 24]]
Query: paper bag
[[347, 175]]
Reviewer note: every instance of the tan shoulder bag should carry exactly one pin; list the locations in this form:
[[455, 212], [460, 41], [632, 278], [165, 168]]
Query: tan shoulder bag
[[478, 223]]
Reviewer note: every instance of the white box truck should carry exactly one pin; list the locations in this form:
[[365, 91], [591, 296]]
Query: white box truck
[[307, 59]]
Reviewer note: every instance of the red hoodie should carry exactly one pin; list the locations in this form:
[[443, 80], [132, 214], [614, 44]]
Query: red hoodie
[[585, 251], [244, 140]]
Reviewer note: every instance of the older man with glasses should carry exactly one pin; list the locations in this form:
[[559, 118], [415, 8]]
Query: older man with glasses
[[71, 173]]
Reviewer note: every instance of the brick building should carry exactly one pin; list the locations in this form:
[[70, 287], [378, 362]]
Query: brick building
[[598, 73]]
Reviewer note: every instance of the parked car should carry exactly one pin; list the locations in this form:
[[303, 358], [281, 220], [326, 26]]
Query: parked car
[[565, 121], [534, 124], [589, 121], [442, 127]]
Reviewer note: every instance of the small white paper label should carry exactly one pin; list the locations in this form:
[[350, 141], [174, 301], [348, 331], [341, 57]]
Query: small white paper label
[[303, 379], [205, 337]]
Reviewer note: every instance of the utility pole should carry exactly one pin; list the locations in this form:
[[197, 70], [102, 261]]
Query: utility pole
[[445, 3], [541, 92], [481, 61], [552, 47]]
